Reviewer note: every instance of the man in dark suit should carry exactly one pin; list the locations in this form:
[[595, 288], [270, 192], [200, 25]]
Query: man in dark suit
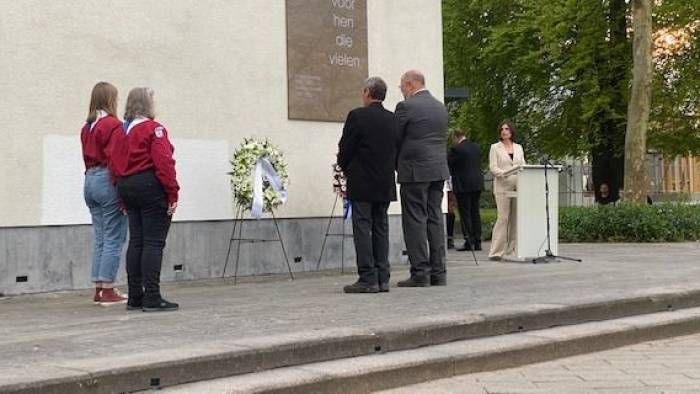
[[464, 160], [422, 171], [367, 155]]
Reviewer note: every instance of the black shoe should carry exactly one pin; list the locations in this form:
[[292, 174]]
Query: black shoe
[[477, 246], [450, 244], [438, 281], [359, 287], [134, 305], [384, 287], [414, 282], [162, 306], [466, 248]]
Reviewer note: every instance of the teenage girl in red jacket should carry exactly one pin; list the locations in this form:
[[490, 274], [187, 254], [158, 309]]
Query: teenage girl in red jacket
[[145, 169], [108, 220]]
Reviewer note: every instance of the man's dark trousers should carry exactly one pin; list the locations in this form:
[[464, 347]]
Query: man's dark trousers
[[423, 227], [370, 226], [468, 205]]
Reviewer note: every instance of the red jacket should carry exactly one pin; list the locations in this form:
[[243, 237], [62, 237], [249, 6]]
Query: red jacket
[[97, 142], [146, 147]]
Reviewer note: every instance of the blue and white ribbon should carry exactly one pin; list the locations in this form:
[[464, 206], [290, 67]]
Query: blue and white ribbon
[[265, 171], [347, 209]]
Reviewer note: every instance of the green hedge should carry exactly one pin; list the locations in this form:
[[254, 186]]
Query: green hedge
[[488, 219], [630, 223], [621, 223]]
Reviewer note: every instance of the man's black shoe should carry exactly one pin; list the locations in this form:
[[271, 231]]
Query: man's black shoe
[[162, 306], [414, 282], [467, 247], [450, 244], [477, 246], [438, 281], [359, 287], [384, 287], [134, 305]]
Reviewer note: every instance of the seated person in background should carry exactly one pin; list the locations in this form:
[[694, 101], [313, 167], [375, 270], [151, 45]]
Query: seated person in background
[[605, 196]]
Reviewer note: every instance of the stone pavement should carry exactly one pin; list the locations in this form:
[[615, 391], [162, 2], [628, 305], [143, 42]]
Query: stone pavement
[[666, 366], [39, 332]]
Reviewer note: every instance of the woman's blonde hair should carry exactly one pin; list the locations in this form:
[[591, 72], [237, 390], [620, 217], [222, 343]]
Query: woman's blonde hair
[[139, 103], [103, 97]]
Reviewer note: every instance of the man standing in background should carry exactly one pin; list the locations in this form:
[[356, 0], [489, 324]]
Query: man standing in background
[[367, 155], [464, 160], [422, 171]]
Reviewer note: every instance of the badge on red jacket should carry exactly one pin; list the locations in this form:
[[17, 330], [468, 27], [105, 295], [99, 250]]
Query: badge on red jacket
[[159, 132]]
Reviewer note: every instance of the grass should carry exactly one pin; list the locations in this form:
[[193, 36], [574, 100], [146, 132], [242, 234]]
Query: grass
[[488, 218]]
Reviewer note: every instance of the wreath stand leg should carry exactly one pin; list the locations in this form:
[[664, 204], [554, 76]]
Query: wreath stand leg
[[328, 229], [284, 251], [238, 247], [238, 225], [328, 234], [236, 220]]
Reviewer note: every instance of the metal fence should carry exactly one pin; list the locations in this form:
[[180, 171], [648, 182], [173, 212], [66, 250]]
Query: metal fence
[[671, 180]]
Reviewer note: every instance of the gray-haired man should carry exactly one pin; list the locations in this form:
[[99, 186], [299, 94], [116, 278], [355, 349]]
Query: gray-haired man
[[422, 169], [367, 155]]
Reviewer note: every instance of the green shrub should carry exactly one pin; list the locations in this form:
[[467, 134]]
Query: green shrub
[[487, 200], [630, 223], [620, 223], [488, 219]]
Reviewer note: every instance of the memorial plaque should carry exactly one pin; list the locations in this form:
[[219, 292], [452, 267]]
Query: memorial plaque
[[326, 57]]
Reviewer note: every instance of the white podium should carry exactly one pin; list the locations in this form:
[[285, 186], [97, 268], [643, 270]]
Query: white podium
[[531, 213]]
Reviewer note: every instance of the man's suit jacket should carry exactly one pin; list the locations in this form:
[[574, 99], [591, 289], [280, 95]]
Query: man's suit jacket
[[464, 160], [367, 153], [422, 139], [500, 162]]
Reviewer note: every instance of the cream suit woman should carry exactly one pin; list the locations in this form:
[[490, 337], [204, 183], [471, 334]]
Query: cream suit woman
[[503, 156]]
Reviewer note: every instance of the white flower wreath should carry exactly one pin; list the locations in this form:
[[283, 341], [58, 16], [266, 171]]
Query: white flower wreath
[[243, 166]]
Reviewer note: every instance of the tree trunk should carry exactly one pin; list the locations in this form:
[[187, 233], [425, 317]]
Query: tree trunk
[[636, 172], [608, 151]]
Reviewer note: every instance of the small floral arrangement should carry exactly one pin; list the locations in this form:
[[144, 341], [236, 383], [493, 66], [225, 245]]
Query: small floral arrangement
[[243, 165], [340, 184]]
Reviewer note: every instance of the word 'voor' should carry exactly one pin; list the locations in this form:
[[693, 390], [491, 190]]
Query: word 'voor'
[[347, 4]]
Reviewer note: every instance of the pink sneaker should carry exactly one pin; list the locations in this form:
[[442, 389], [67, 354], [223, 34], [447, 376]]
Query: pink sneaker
[[111, 297], [96, 297]]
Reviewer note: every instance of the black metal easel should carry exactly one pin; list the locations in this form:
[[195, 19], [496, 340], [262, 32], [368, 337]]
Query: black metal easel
[[238, 225], [549, 256], [342, 234]]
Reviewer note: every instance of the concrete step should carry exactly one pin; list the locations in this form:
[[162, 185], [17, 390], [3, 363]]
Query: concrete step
[[224, 358], [367, 374]]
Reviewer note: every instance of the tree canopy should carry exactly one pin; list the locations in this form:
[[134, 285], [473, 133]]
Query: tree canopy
[[561, 70], [675, 117]]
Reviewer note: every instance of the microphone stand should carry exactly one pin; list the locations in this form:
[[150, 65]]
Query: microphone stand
[[549, 256]]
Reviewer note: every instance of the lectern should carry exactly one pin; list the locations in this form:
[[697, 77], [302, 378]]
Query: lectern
[[531, 210]]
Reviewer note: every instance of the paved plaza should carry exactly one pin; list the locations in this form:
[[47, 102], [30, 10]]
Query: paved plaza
[[44, 333], [666, 366]]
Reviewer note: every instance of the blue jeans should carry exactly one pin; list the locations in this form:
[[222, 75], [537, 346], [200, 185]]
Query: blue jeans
[[108, 222]]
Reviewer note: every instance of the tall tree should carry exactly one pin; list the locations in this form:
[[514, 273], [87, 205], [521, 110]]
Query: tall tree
[[674, 127], [636, 173], [559, 69]]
